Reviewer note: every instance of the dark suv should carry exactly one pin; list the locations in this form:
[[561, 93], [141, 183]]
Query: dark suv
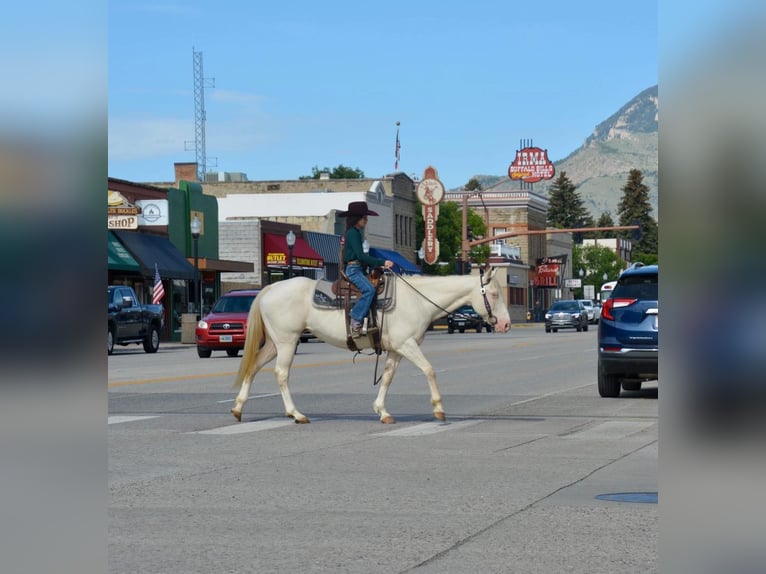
[[628, 339], [464, 318], [225, 327]]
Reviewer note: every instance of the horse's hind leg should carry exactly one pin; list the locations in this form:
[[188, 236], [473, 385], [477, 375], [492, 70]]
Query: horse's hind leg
[[392, 362], [411, 351], [285, 356], [265, 354]]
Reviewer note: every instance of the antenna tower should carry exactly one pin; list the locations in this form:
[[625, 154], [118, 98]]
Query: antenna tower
[[200, 83]]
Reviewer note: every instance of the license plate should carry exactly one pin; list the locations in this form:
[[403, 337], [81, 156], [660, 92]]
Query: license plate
[[225, 338]]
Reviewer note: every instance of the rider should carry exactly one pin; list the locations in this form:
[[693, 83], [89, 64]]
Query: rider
[[356, 262]]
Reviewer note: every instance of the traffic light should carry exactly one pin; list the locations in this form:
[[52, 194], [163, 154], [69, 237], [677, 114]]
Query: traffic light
[[637, 233]]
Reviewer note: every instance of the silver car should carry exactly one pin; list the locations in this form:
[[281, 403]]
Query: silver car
[[591, 310]]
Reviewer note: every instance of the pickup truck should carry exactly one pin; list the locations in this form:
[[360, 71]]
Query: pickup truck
[[131, 322]]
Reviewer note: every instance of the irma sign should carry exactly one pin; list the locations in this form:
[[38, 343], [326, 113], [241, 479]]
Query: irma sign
[[531, 165]]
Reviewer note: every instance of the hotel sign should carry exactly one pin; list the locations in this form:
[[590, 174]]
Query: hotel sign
[[531, 165]]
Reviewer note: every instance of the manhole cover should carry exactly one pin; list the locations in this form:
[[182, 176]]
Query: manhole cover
[[642, 497]]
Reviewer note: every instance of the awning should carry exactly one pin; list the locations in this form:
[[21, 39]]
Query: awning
[[326, 244], [151, 250], [401, 265], [118, 258], [275, 252]]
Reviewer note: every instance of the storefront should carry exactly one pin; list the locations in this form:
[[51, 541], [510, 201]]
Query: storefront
[[278, 265]]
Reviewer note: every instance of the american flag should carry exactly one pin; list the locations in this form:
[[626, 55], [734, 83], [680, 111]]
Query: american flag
[[396, 149], [158, 292]]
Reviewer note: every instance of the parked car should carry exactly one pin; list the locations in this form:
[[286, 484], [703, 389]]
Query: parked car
[[628, 340], [567, 314], [464, 318], [225, 327], [591, 310], [130, 322]]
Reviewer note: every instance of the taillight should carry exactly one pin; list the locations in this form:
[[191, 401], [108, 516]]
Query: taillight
[[609, 304]]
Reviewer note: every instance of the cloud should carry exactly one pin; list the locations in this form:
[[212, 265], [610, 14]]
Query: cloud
[[133, 139]]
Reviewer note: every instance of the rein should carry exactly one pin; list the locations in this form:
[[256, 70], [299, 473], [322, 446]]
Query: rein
[[491, 318]]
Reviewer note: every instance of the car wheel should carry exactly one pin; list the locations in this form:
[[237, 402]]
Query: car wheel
[[462, 330], [579, 328], [608, 385], [109, 341], [204, 352], [478, 329], [631, 386], [450, 330], [232, 352], [547, 329], [585, 327], [152, 341], [555, 330]]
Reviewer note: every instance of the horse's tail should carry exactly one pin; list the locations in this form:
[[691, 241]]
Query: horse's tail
[[253, 343]]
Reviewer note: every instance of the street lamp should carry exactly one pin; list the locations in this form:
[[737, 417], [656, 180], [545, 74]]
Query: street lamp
[[195, 230], [605, 276], [290, 237]]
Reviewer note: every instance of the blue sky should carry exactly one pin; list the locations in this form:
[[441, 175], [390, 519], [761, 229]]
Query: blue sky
[[305, 83]]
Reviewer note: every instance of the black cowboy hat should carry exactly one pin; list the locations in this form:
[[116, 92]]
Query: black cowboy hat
[[358, 208]]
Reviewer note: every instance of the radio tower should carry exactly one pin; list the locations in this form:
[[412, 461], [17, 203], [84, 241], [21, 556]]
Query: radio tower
[[200, 116]]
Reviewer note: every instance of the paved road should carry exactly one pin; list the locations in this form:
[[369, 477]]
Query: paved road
[[508, 484]]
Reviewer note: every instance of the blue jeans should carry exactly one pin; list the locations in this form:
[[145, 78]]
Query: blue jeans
[[355, 272]]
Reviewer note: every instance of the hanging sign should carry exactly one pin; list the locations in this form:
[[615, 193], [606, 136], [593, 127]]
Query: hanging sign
[[430, 192], [531, 165]]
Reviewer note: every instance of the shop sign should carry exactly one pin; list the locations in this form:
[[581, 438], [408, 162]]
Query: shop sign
[[277, 258], [531, 165], [122, 221], [153, 212], [307, 262], [548, 271], [430, 192]]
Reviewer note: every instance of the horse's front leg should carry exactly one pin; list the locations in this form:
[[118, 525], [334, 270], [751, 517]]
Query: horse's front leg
[[411, 350], [392, 362]]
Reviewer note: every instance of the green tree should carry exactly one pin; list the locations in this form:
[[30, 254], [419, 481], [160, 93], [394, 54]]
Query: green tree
[[605, 220], [595, 261], [449, 232], [473, 185], [634, 207], [565, 208], [339, 172]]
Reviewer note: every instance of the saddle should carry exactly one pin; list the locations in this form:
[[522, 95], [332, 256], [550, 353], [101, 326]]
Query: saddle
[[343, 286]]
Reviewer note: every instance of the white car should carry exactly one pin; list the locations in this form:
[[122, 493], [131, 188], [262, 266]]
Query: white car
[[591, 310]]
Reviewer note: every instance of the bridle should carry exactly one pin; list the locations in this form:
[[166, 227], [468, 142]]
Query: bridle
[[492, 319]]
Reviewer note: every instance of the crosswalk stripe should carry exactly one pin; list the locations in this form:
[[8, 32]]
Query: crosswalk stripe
[[254, 426], [428, 428], [116, 419]]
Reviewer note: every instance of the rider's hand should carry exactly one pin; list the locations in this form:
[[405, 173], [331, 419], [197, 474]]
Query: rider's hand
[[388, 264]]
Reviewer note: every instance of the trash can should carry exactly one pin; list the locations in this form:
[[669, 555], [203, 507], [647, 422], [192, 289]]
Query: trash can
[[188, 325]]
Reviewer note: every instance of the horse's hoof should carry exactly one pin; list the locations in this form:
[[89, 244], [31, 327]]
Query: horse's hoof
[[440, 416], [237, 415], [389, 420], [302, 421]]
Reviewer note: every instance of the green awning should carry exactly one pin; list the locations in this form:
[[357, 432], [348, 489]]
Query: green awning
[[118, 257]]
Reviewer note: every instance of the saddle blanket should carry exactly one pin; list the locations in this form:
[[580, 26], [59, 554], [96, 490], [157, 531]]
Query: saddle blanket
[[324, 298]]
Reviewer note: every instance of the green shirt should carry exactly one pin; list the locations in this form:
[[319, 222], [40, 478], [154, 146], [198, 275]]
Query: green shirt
[[353, 250]]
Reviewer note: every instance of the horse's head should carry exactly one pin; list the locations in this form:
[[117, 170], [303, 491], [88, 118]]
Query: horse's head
[[488, 300]]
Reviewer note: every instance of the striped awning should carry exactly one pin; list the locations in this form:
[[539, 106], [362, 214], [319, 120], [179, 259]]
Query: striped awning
[[326, 244]]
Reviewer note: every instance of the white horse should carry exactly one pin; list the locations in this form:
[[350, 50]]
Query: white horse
[[282, 311]]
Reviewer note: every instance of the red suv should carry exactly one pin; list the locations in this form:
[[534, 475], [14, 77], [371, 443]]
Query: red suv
[[225, 327]]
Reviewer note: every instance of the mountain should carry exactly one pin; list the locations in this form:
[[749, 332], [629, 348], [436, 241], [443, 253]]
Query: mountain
[[599, 168]]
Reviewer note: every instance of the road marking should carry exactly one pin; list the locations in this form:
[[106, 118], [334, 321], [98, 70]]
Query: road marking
[[250, 397], [611, 430], [116, 419], [429, 428], [254, 426]]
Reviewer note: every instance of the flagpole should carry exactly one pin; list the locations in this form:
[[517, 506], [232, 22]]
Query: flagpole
[[396, 148]]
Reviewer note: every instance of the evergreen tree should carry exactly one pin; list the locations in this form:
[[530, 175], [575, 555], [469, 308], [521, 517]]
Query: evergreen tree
[[565, 208], [605, 220], [473, 185], [634, 208]]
